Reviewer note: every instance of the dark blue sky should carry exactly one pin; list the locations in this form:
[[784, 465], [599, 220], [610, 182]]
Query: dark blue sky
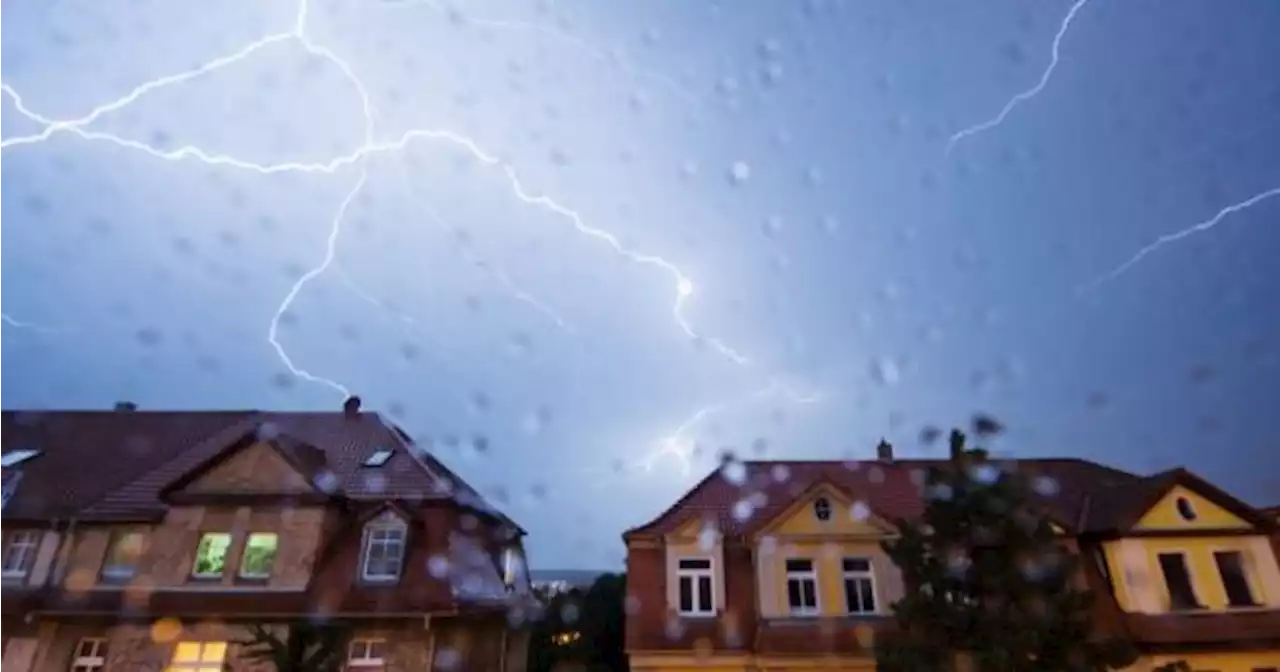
[[539, 178]]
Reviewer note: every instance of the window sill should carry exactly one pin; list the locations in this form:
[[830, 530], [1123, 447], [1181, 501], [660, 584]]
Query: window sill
[[697, 616], [253, 580], [204, 579]]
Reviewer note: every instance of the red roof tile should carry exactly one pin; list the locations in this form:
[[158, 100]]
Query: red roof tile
[[889, 489], [113, 465]]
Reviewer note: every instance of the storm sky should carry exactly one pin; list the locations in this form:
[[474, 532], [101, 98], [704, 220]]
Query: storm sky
[[583, 247]]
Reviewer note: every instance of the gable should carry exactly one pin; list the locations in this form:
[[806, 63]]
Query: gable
[[848, 517], [1167, 513], [257, 468], [695, 528]]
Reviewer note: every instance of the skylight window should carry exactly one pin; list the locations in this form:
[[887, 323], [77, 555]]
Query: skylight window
[[15, 457], [378, 458]]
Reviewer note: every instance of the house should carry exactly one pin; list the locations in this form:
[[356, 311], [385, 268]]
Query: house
[[138, 540], [773, 565]]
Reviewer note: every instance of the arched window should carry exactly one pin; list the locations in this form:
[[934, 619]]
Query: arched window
[[1185, 509], [822, 509]]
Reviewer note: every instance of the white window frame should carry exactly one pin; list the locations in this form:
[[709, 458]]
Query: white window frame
[[24, 544], [365, 660], [94, 657], [868, 575], [694, 575], [379, 532], [378, 458], [800, 576]]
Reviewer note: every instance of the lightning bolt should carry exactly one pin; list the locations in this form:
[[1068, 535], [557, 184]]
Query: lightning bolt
[[1029, 93], [30, 326], [677, 444], [1176, 236]]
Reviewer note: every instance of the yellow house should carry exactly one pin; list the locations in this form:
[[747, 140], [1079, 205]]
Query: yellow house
[[775, 565]]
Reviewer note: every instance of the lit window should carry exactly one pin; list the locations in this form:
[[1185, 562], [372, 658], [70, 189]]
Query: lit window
[[123, 556], [693, 575], [259, 555], [802, 587], [365, 654], [20, 552], [822, 509], [91, 655], [211, 555], [198, 657], [383, 550], [378, 458], [859, 586]]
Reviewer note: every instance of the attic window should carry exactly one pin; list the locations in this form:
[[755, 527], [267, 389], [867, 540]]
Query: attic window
[[15, 457], [822, 509], [378, 458], [1185, 509]]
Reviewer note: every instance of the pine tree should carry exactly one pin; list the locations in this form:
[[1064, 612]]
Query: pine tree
[[989, 580]]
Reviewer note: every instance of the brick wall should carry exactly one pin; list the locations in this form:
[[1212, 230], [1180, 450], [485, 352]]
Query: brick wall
[[171, 545]]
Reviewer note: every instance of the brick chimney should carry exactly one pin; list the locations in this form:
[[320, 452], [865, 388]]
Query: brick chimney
[[126, 406], [351, 407], [884, 451]]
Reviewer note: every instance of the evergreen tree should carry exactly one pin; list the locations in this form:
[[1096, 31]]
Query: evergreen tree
[[989, 580]]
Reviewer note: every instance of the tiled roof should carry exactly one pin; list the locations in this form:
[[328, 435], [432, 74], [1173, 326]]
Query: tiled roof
[[113, 465], [86, 454], [741, 497]]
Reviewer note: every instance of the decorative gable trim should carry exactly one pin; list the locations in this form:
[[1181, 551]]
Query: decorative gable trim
[[818, 488], [172, 491], [1164, 483]]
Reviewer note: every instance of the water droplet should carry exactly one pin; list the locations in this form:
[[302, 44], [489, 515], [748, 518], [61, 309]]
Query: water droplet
[[772, 225], [739, 172], [569, 613], [438, 566], [1045, 486], [447, 658], [708, 537], [781, 473], [742, 510], [734, 472], [860, 511], [884, 371]]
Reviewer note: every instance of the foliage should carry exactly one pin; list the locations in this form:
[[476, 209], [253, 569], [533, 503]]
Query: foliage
[[994, 583], [586, 628], [305, 647]]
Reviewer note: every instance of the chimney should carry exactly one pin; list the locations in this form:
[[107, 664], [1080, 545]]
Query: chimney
[[351, 407], [126, 406], [884, 451]]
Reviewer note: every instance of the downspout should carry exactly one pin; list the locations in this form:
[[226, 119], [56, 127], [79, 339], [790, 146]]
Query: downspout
[[502, 647]]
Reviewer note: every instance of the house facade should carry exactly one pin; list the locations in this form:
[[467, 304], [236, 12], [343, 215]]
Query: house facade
[[138, 540], [770, 565]]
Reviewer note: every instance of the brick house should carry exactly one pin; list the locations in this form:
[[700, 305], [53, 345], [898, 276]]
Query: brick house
[[778, 565], [139, 541]]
